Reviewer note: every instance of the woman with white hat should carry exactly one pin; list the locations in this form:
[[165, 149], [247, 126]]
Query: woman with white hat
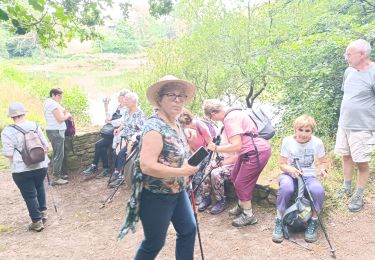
[[28, 178], [159, 195]]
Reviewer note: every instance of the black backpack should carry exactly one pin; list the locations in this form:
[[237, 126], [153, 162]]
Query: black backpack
[[298, 215], [33, 150]]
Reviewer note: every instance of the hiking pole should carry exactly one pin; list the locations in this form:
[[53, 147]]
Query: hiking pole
[[135, 150], [206, 162], [286, 235], [218, 161], [192, 200], [296, 163], [50, 185]]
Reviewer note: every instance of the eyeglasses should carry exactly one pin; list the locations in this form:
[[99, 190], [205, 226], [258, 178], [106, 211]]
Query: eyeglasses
[[173, 97]]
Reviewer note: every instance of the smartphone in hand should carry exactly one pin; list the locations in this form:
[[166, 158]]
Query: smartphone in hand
[[198, 156]]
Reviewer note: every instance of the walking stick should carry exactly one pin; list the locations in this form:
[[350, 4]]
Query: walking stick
[[135, 150], [204, 164], [296, 163], [192, 200], [53, 199]]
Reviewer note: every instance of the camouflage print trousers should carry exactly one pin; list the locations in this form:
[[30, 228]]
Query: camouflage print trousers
[[216, 182]]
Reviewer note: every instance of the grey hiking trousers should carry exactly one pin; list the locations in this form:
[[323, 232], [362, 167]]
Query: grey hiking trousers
[[57, 137]]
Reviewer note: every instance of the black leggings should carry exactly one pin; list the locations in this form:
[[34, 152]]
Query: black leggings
[[101, 150]]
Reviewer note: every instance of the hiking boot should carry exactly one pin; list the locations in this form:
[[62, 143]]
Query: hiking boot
[[118, 181], [64, 176], [44, 216], [277, 234], [90, 170], [36, 226], [311, 233], [103, 174], [114, 176], [206, 201], [243, 220], [236, 211], [342, 193], [356, 203], [59, 182], [219, 207]]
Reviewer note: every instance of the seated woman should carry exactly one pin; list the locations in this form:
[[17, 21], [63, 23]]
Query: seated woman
[[102, 146], [197, 134], [220, 168], [253, 154], [305, 147], [159, 194], [132, 126]]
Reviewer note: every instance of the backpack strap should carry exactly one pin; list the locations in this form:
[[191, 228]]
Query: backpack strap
[[252, 135], [18, 128]]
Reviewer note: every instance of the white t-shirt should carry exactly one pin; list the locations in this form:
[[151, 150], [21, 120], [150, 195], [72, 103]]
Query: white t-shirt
[[306, 153], [117, 122], [51, 121], [13, 139]]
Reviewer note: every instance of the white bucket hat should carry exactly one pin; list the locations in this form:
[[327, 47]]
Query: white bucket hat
[[16, 109]]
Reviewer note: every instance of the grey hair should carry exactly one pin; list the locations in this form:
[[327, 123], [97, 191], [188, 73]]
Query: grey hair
[[124, 92], [133, 96], [212, 105], [361, 45]]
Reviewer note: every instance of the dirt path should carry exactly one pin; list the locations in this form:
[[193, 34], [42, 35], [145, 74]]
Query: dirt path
[[80, 230]]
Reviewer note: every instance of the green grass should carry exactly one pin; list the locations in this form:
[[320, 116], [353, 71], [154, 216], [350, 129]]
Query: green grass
[[6, 228]]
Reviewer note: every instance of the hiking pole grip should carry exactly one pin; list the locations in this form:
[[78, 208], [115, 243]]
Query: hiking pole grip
[[296, 163]]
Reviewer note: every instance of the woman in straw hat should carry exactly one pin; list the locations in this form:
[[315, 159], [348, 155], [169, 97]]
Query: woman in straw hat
[[159, 194], [28, 178]]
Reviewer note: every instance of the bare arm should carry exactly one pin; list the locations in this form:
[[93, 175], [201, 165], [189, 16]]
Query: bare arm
[[152, 145], [322, 166], [233, 146], [284, 167], [60, 115]]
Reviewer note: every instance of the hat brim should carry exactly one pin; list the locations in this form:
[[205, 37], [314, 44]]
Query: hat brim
[[153, 90], [18, 113]]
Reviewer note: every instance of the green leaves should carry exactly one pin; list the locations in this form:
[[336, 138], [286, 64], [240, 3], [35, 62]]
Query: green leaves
[[38, 5], [3, 15]]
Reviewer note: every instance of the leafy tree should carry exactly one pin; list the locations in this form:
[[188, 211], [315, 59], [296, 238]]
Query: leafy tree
[[121, 40], [56, 21], [297, 59]]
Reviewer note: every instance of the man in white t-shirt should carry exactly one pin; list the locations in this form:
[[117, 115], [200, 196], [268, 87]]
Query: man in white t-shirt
[[355, 139], [55, 116]]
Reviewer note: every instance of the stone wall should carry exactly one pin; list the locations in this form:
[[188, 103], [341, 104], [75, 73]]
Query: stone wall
[[79, 151]]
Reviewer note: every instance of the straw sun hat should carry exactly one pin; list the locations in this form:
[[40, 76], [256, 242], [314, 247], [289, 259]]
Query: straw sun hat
[[154, 89]]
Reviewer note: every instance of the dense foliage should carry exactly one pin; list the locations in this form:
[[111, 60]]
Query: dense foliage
[[297, 58]]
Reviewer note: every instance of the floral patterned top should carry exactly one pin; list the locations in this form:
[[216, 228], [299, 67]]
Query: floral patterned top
[[133, 123], [175, 150]]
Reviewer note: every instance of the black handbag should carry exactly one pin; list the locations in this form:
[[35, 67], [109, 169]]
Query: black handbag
[[107, 130], [116, 115]]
